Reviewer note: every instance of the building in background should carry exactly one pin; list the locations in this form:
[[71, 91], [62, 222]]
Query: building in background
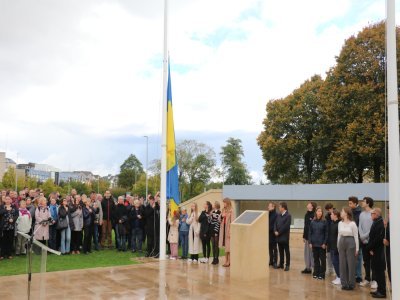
[[5, 163]]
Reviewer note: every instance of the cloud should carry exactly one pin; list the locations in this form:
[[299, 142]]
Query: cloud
[[81, 82]]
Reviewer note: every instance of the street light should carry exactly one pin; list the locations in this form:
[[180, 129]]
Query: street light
[[147, 162], [16, 175]]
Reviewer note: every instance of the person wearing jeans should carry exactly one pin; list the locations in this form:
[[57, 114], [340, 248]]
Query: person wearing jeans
[[121, 216], [63, 212], [98, 219], [136, 216], [53, 226], [184, 233]]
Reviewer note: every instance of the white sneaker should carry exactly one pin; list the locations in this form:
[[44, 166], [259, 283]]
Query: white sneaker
[[364, 283], [336, 281], [189, 260], [172, 258], [195, 261], [374, 285], [205, 260], [201, 260]]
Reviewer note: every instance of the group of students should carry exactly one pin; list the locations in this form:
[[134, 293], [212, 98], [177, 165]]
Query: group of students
[[76, 222], [355, 235], [204, 231]]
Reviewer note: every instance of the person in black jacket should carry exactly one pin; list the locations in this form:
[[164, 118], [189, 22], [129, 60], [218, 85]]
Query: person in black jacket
[[308, 255], [108, 207], [376, 249], [136, 218], [9, 215], [282, 233], [318, 237], [150, 225], [121, 220], [205, 234], [273, 247], [332, 243], [356, 210], [89, 214], [386, 242]]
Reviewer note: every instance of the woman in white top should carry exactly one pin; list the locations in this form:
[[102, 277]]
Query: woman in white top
[[348, 249], [194, 234]]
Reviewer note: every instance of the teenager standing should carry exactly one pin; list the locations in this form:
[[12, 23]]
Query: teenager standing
[[318, 238], [348, 249]]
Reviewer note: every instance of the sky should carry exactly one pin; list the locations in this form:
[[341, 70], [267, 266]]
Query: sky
[[81, 81]]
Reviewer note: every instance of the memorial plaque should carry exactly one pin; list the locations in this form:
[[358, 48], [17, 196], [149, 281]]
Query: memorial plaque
[[248, 217]]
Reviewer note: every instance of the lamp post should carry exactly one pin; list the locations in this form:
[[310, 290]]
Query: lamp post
[[147, 162], [16, 175]]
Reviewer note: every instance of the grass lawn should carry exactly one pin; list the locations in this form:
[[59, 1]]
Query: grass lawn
[[103, 258]]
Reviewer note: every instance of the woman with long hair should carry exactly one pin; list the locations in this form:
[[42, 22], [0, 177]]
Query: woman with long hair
[[205, 233], [194, 234], [227, 217], [318, 239], [348, 249]]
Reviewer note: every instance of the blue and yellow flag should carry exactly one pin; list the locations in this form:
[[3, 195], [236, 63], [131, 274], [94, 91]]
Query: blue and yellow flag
[[172, 163]]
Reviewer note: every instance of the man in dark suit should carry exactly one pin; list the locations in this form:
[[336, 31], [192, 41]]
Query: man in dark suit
[[377, 251], [282, 233], [273, 250]]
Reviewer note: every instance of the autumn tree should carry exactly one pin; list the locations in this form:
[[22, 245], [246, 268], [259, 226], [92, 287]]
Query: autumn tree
[[353, 108]]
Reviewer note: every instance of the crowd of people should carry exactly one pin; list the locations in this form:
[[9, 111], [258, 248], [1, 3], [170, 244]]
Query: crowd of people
[[342, 241], [80, 223], [335, 242]]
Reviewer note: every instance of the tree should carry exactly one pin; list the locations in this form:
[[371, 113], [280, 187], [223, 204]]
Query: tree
[[234, 168], [333, 130], [290, 142], [9, 178], [130, 171], [353, 108], [196, 163]]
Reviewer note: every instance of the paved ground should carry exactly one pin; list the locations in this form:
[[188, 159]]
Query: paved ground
[[176, 280]]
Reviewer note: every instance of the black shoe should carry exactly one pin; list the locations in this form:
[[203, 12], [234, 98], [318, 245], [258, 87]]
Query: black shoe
[[321, 278], [287, 268], [315, 276], [358, 279], [378, 295], [306, 271], [345, 288], [280, 267]]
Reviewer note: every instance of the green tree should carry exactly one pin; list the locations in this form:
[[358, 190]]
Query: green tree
[[130, 171], [290, 142], [196, 163], [9, 178], [235, 170]]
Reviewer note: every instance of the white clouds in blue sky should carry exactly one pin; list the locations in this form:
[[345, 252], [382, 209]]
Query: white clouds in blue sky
[[80, 82]]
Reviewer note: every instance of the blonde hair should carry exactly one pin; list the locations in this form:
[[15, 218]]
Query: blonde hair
[[42, 200], [195, 211], [217, 205], [228, 203]]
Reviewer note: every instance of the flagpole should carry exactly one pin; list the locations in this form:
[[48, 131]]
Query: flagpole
[[163, 199], [393, 141]]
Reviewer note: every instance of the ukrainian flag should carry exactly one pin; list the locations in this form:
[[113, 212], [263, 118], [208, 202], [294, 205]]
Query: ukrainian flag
[[172, 163]]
